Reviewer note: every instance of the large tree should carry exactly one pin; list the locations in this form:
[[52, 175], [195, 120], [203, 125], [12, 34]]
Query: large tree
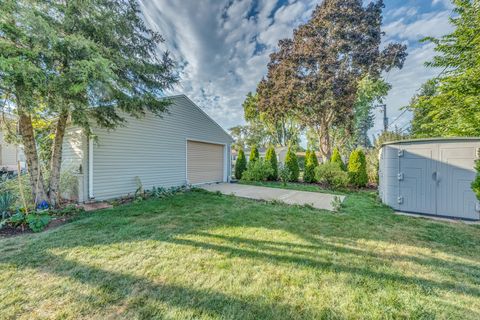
[[314, 76], [449, 105], [88, 62]]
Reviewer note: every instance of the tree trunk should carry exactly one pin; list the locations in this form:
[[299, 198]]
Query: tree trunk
[[56, 160], [324, 140], [30, 149]]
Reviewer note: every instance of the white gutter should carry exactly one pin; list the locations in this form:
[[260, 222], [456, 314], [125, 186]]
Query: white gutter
[[90, 169]]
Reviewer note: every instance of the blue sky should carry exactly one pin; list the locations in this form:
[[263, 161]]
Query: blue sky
[[222, 46]]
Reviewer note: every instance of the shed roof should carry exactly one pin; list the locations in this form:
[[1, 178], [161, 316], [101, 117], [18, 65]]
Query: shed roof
[[438, 139]]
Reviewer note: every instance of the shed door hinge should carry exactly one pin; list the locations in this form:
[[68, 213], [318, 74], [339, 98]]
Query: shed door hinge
[[400, 152], [400, 176], [400, 200]]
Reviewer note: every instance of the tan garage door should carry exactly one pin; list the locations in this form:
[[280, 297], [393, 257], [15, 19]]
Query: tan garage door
[[204, 162]]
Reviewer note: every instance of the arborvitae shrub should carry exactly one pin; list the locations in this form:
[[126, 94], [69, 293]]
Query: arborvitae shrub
[[291, 162], [357, 168], [240, 164], [476, 182], [271, 158], [311, 162], [337, 158], [254, 155]]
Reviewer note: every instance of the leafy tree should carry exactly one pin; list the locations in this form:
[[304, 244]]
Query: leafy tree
[[240, 164], [311, 162], [337, 158], [313, 77], [357, 168], [90, 62], [278, 131], [254, 155], [476, 182], [449, 104], [248, 135], [370, 92], [271, 158], [291, 162]]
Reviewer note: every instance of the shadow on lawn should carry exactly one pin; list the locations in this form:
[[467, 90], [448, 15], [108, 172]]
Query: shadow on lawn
[[174, 221]]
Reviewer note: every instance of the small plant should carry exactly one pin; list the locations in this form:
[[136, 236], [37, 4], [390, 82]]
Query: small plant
[[336, 204], [284, 174], [331, 174], [337, 158], [240, 164], [271, 158], [254, 155], [357, 168], [7, 200], [476, 182], [258, 171], [291, 162], [311, 162], [36, 221]]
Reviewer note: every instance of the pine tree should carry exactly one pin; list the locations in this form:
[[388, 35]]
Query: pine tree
[[271, 158], [357, 168], [240, 164], [291, 162], [311, 162], [337, 158], [254, 155]]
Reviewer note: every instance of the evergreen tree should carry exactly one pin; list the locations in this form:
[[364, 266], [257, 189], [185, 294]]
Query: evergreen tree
[[240, 164], [291, 162], [88, 61], [337, 158], [254, 155], [357, 168], [271, 158], [311, 162]]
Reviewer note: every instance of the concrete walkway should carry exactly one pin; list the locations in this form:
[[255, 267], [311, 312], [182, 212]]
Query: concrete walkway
[[315, 199]]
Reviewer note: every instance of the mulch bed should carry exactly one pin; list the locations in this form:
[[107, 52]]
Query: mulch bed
[[8, 231]]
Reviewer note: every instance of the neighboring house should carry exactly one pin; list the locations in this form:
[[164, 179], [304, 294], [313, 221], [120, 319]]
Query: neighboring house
[[183, 146], [10, 154]]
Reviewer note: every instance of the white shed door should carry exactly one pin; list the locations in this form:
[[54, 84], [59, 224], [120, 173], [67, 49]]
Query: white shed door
[[204, 162]]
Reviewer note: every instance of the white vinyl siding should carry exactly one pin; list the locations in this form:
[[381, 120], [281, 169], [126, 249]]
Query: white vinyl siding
[[8, 154], [150, 149]]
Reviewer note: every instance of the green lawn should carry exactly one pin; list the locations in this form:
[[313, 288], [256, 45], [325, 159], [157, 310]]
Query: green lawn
[[206, 256]]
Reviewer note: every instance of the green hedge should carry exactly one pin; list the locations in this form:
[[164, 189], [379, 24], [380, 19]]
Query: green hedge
[[291, 162], [357, 168], [311, 163], [271, 158], [337, 158]]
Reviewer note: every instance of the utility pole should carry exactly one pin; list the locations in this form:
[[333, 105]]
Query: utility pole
[[385, 118]]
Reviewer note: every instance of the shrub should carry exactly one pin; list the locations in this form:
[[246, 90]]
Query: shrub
[[7, 200], [258, 171], [291, 162], [240, 164], [35, 221], [332, 175], [69, 183], [476, 182], [283, 174], [11, 184], [357, 168], [372, 165], [254, 155], [311, 163], [271, 158], [337, 158]]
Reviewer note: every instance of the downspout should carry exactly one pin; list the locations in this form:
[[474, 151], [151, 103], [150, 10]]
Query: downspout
[[90, 169]]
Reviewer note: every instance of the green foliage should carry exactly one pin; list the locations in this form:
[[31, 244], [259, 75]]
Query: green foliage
[[284, 174], [11, 185], [240, 164], [291, 162], [37, 221], [254, 155], [448, 105], [69, 182], [357, 168], [336, 204], [271, 158], [337, 158], [311, 163], [476, 182], [332, 175], [258, 171], [370, 92], [7, 200]]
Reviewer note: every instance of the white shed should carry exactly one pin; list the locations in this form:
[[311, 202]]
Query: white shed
[[430, 176], [183, 146]]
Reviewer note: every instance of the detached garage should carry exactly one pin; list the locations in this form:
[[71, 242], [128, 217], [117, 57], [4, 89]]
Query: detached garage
[[430, 176], [183, 146]]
